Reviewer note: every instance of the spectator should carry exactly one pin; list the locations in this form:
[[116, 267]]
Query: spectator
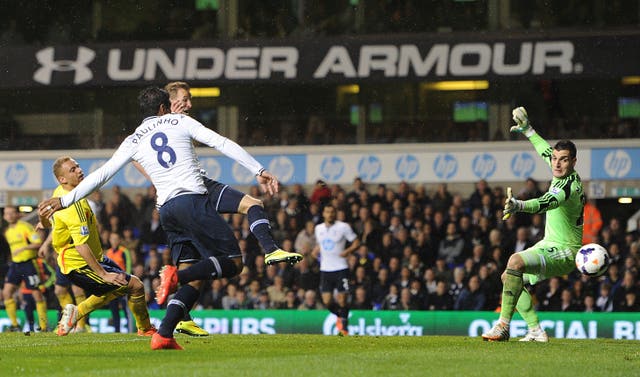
[[360, 299], [310, 301], [450, 248], [604, 301], [230, 300], [441, 299], [592, 222], [277, 292], [471, 297], [392, 299], [152, 233], [306, 239], [549, 297], [567, 302], [321, 194]]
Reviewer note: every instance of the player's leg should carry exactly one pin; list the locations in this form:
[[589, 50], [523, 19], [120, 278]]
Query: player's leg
[[512, 285], [100, 292], [10, 304], [29, 305], [528, 313], [31, 274], [79, 297], [229, 200], [342, 322], [545, 261], [41, 309], [11, 283], [138, 306], [62, 292], [189, 292], [187, 325]]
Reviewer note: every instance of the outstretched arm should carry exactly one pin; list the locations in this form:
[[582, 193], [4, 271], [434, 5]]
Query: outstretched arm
[[523, 126], [91, 182]]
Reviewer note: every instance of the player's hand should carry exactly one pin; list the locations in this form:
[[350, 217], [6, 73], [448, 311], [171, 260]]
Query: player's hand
[[43, 251], [178, 107], [511, 205], [522, 121], [268, 182], [115, 278], [48, 207]]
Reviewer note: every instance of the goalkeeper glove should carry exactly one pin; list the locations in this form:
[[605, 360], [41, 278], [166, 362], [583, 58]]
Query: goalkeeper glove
[[511, 205], [522, 122]]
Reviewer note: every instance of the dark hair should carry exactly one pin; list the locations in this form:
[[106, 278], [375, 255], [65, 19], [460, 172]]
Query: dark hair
[[566, 145], [150, 99]]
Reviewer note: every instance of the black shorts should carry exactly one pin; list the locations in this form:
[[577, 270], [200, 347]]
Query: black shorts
[[195, 229], [224, 198], [62, 279], [92, 284], [334, 280], [24, 271]]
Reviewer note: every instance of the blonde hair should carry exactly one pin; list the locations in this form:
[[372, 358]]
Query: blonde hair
[[57, 165], [174, 86]]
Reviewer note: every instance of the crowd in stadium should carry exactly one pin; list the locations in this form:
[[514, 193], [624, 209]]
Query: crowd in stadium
[[419, 250]]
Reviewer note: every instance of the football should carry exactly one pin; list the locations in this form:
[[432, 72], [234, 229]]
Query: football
[[592, 259]]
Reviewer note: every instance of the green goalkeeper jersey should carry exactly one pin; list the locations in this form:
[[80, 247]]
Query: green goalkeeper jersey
[[563, 203]]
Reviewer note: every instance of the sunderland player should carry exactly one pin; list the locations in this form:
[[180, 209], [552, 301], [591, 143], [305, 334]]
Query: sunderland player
[[63, 288], [332, 236], [198, 235], [554, 254], [76, 240], [24, 242]]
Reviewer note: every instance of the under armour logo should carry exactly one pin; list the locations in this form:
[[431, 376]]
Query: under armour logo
[[48, 65]]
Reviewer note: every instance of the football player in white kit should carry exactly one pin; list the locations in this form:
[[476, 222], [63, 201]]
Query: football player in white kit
[[332, 236], [163, 146]]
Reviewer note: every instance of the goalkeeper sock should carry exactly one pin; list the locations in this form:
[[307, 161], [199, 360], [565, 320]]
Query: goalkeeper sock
[[511, 291], [12, 311], [525, 308]]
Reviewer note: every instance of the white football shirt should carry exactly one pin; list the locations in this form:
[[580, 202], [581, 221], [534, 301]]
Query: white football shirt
[[332, 241], [163, 146]]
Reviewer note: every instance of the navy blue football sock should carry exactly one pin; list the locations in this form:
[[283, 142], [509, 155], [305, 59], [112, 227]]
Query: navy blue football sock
[[261, 229], [177, 308]]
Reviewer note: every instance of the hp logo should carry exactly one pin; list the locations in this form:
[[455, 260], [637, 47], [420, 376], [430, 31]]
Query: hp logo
[[241, 174], [522, 165], [283, 168], [48, 65], [445, 166], [332, 168], [16, 175], [369, 168], [484, 165], [617, 163], [212, 167], [407, 166]]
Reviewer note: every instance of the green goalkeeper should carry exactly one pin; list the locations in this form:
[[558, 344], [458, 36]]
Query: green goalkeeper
[[554, 254]]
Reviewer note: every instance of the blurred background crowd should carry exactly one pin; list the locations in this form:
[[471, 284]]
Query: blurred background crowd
[[421, 249]]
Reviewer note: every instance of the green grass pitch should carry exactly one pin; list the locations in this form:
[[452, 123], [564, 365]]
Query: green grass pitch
[[45, 354]]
